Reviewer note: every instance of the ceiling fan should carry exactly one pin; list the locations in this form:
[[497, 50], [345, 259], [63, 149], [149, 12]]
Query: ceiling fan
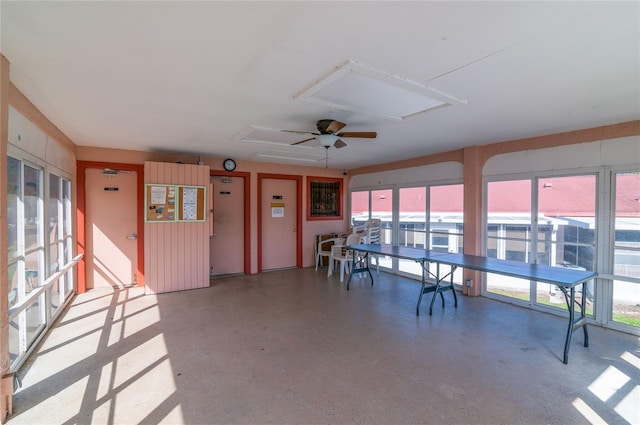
[[328, 134]]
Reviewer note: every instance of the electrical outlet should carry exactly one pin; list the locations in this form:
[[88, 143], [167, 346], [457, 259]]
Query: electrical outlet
[[468, 282]]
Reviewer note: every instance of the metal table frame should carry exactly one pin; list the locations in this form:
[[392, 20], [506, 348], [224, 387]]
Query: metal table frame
[[565, 279]]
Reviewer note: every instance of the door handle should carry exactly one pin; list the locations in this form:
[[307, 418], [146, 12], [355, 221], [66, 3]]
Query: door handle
[[132, 236]]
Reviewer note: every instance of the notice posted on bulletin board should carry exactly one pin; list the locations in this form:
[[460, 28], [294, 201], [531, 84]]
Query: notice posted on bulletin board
[[160, 202], [191, 203], [170, 203]]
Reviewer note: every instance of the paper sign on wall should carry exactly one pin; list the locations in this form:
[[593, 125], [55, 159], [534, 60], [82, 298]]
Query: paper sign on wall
[[277, 210]]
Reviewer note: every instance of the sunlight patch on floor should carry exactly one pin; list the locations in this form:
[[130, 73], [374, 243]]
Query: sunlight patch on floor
[[631, 359], [588, 413], [608, 383], [629, 406]]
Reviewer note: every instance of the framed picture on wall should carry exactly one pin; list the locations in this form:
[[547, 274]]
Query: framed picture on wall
[[324, 198]]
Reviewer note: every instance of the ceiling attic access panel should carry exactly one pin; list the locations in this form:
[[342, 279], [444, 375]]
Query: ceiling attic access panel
[[362, 89]]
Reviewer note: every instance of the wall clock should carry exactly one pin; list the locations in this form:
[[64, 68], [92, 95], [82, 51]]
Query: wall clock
[[229, 164]]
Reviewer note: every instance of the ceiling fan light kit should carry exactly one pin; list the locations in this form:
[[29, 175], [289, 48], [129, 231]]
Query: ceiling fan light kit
[[326, 140], [328, 135]]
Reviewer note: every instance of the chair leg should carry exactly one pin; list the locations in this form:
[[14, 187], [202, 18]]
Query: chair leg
[[330, 267], [342, 265], [317, 261]]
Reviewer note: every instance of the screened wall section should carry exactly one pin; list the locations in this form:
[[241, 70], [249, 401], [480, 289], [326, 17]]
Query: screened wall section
[[582, 221], [625, 258], [39, 245], [425, 217]]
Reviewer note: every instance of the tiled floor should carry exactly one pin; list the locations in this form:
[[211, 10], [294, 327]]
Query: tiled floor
[[295, 347]]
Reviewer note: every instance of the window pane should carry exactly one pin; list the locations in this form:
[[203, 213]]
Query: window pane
[[33, 271], [13, 194], [566, 228], [509, 233], [55, 221], [56, 225], [25, 328], [446, 217], [13, 204], [412, 224], [626, 253], [67, 286], [14, 294], [35, 320], [32, 219], [626, 303], [359, 208], [14, 338], [381, 207]]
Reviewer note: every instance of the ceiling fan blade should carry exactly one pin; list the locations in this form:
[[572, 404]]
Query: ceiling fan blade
[[302, 141], [299, 132], [339, 144], [335, 126], [359, 134], [329, 126]]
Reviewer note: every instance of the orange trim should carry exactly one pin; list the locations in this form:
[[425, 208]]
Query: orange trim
[[82, 166], [246, 212], [298, 180], [340, 202]]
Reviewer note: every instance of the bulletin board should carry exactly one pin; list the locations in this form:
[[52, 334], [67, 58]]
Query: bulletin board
[[160, 202], [191, 203], [171, 203]]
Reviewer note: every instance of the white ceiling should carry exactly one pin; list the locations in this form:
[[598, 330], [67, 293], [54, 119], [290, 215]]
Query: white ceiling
[[195, 77]]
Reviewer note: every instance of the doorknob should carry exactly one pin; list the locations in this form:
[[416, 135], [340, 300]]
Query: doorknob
[[133, 236]]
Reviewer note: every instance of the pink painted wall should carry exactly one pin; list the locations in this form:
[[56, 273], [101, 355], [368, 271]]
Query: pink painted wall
[[309, 228]]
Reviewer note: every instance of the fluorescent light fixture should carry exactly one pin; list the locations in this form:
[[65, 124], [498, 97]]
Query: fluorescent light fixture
[[362, 89]]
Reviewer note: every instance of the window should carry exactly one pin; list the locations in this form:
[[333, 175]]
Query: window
[[360, 208], [566, 222], [427, 217], [374, 204], [625, 303], [508, 236], [60, 239], [324, 198], [39, 238], [26, 253]]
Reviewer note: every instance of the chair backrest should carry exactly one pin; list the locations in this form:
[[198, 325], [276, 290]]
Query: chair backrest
[[325, 245], [373, 235], [340, 251], [372, 230], [373, 222], [353, 239]]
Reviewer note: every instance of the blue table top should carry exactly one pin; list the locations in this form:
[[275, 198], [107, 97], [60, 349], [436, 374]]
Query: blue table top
[[542, 273]]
